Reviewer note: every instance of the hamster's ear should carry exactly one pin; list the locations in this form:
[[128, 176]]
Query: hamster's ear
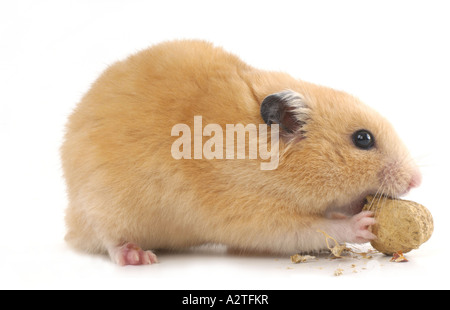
[[286, 108]]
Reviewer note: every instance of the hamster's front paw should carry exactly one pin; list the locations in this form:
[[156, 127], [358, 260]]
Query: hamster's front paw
[[358, 228], [131, 254]]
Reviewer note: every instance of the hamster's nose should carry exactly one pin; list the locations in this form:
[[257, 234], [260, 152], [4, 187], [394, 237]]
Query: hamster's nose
[[416, 180]]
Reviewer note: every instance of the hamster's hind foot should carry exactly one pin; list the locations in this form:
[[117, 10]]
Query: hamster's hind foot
[[131, 254]]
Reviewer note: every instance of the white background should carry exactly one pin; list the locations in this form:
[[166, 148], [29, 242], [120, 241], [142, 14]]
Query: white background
[[394, 55]]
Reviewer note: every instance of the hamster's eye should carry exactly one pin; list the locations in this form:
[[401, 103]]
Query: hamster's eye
[[363, 139]]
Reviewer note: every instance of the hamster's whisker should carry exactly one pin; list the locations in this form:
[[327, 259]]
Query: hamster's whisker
[[419, 158], [420, 161], [378, 194], [379, 200]]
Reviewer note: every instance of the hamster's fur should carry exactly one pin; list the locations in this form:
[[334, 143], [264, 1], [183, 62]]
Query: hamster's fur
[[128, 195]]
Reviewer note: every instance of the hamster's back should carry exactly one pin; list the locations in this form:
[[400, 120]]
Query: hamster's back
[[123, 183]]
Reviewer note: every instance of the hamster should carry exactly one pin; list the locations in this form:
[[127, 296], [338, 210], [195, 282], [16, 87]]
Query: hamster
[[129, 195]]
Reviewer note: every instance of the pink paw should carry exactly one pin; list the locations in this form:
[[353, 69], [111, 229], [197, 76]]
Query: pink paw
[[359, 228], [131, 254]]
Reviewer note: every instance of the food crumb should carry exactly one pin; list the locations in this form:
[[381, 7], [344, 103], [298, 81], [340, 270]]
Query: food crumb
[[338, 249], [339, 272], [398, 257], [366, 256], [297, 258]]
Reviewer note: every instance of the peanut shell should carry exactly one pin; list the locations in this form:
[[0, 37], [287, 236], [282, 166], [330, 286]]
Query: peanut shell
[[401, 225]]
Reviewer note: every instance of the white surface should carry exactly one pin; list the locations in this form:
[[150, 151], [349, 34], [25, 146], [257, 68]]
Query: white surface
[[394, 55]]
